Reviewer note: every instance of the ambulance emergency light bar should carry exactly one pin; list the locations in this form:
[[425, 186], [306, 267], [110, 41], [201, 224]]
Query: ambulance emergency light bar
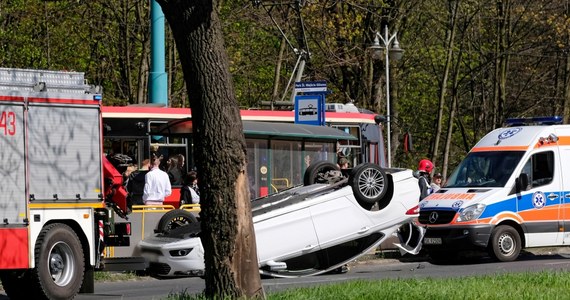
[[534, 121]]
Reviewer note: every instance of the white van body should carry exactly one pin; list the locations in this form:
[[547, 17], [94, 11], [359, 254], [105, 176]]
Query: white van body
[[486, 204]]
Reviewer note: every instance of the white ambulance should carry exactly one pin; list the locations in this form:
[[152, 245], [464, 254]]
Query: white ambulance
[[512, 191]]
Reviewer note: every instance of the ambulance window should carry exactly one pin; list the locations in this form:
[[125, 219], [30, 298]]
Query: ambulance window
[[540, 168]]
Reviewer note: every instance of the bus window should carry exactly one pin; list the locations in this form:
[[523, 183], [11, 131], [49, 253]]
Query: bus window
[[319, 151], [285, 167], [168, 147], [257, 167]]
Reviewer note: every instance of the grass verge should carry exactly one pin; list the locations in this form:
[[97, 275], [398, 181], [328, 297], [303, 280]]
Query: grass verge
[[540, 285]]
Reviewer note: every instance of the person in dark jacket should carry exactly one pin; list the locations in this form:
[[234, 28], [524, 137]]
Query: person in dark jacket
[[135, 185], [424, 169], [188, 193]]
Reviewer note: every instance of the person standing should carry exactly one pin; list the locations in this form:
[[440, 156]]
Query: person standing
[[188, 194], [176, 169], [157, 184], [424, 169], [436, 182], [135, 185], [343, 163]]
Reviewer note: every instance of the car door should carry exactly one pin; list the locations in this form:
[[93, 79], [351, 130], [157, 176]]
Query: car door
[[340, 219], [284, 235], [539, 206]]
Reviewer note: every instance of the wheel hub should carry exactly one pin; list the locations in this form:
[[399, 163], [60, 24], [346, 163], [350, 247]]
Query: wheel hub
[[506, 244], [56, 264]]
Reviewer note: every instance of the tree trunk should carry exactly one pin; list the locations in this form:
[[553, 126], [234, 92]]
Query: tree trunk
[[277, 79], [227, 228], [503, 10], [453, 5], [144, 58], [566, 105]]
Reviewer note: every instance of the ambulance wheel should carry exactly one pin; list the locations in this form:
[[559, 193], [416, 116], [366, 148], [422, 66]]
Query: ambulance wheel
[[174, 219], [320, 172], [505, 243], [369, 183], [60, 264], [16, 284]]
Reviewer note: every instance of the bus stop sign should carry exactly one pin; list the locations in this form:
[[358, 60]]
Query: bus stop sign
[[310, 109]]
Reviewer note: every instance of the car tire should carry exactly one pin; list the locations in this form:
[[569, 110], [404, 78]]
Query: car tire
[[505, 243], [174, 219], [369, 183], [317, 171]]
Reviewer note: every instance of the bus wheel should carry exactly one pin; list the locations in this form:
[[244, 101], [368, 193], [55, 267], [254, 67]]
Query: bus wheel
[[505, 243], [174, 219], [60, 264], [369, 184], [320, 172], [15, 284]]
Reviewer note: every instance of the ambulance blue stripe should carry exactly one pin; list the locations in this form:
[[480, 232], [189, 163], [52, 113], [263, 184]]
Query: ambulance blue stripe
[[510, 205]]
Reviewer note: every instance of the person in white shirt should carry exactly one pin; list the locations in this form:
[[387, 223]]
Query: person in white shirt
[[157, 185]]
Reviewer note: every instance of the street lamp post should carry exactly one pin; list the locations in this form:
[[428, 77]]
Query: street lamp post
[[392, 49]]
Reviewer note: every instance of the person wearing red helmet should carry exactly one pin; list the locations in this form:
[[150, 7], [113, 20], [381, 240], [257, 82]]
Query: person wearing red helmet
[[424, 169]]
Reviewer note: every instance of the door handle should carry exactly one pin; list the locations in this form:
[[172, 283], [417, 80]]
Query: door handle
[[309, 247], [364, 229], [552, 196]]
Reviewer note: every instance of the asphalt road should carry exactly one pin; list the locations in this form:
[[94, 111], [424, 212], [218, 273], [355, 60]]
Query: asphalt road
[[377, 269]]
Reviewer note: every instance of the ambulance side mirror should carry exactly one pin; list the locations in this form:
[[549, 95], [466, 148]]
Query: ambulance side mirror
[[522, 182]]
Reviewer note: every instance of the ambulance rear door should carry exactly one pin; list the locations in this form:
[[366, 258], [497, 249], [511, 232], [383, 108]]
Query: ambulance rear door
[[563, 133]]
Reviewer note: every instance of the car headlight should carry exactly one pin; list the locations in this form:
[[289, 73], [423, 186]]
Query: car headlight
[[180, 252], [471, 213]]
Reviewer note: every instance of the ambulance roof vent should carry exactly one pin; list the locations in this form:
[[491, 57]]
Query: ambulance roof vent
[[534, 121]]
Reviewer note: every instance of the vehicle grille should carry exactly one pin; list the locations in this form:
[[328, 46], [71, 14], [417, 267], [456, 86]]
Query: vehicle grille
[[443, 216], [151, 251], [159, 268]]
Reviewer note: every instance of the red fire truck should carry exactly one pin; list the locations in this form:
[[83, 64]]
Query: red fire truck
[[58, 193]]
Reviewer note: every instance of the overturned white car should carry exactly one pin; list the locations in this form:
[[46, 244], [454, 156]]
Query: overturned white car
[[335, 217]]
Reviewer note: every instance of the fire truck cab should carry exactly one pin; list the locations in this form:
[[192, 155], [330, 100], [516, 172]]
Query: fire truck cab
[[55, 191]]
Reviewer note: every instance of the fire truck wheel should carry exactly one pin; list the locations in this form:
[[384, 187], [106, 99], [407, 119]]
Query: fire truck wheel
[[60, 264], [173, 219], [505, 243], [15, 284]]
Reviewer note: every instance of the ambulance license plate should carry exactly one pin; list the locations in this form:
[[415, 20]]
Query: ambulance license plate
[[432, 241]]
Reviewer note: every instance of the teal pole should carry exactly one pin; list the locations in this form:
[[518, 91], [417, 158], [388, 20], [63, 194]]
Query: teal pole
[[158, 81]]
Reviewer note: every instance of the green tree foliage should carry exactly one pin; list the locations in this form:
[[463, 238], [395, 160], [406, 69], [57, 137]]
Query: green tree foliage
[[510, 57]]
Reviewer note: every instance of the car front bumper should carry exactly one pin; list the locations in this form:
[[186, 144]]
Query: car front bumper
[[180, 259]]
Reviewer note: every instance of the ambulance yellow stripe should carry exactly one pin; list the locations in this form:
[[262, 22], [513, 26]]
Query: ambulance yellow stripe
[[500, 148]]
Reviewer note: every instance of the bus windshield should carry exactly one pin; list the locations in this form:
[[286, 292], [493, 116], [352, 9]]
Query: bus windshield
[[485, 169]]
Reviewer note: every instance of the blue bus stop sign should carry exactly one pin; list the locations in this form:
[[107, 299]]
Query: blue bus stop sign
[[310, 109]]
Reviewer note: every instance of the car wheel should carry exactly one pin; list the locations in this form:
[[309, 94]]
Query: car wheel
[[60, 264], [369, 184], [505, 243], [320, 172], [174, 219]]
